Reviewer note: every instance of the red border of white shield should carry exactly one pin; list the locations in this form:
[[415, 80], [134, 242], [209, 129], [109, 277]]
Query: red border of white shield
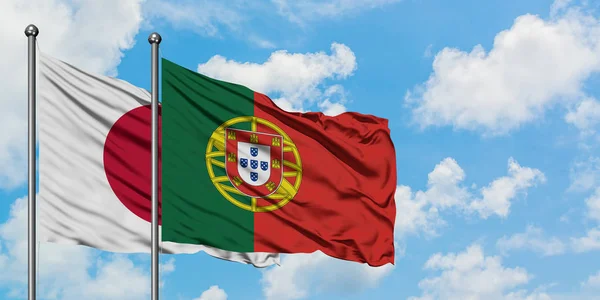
[[231, 164]]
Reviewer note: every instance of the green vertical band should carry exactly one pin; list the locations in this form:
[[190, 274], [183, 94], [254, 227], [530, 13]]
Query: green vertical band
[[193, 210]]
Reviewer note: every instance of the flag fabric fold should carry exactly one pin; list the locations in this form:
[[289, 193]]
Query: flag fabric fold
[[94, 165]]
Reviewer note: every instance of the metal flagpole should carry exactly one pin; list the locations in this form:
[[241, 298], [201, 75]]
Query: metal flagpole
[[154, 40], [31, 32]]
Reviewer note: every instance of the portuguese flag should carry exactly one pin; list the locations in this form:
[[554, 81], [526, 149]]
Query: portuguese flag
[[241, 174]]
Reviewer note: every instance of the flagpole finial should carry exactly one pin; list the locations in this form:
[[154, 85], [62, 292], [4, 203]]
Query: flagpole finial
[[32, 30], [154, 38]]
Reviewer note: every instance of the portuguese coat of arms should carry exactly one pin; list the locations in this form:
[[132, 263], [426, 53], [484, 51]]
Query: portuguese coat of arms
[[254, 161]]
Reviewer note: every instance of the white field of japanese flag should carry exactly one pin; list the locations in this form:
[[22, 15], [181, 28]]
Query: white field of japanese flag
[[88, 194]]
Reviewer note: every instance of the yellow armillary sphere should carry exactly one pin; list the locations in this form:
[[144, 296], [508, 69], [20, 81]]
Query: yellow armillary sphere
[[261, 172]]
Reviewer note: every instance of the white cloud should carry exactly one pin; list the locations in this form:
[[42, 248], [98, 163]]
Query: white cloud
[[428, 51], [559, 6], [415, 214], [524, 295], [532, 66], [472, 275], [302, 274], [585, 175], [590, 242], [66, 27], [204, 16], [165, 269], [298, 78], [593, 205], [331, 109], [443, 184], [117, 278], [593, 282], [213, 293], [68, 272], [586, 116], [419, 211], [334, 100], [302, 11], [532, 239], [214, 18], [496, 196], [261, 42]]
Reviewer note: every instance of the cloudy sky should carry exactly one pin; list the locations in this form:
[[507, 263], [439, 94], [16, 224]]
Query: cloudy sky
[[493, 110]]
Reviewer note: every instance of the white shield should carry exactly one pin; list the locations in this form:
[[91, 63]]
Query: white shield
[[254, 163]]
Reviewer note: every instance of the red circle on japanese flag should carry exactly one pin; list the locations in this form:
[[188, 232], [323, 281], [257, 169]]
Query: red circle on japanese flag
[[127, 163]]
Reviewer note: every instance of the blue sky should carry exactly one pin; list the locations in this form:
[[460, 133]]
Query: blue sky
[[492, 108]]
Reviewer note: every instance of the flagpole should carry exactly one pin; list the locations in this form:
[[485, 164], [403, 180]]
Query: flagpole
[[154, 40], [31, 33]]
